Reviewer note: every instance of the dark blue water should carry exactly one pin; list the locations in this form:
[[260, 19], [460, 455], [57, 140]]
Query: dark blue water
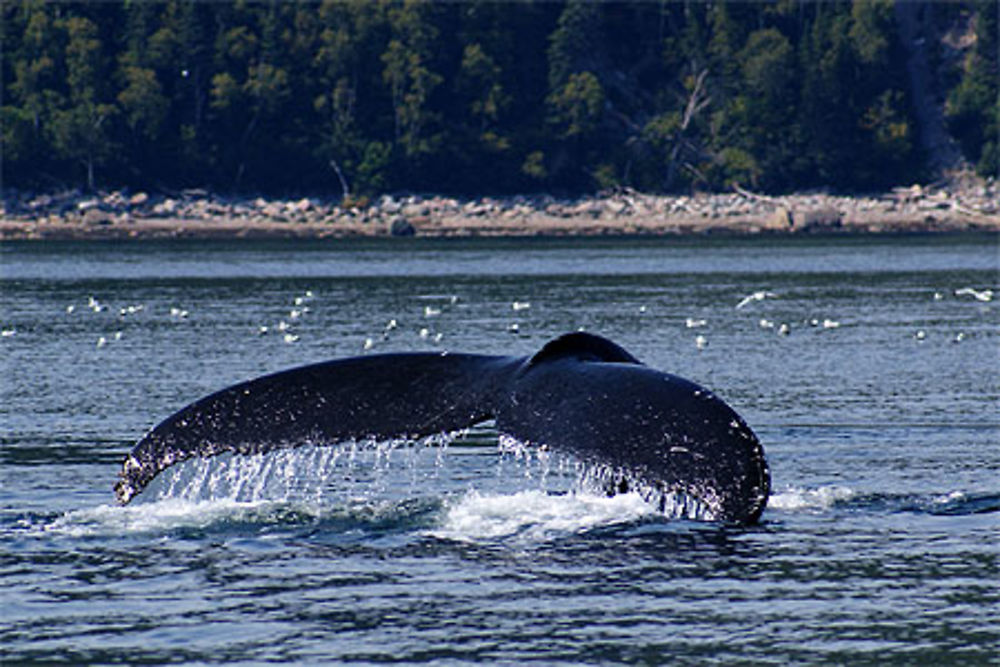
[[879, 410]]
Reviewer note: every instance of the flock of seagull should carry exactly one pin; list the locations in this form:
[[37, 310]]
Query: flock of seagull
[[300, 309]]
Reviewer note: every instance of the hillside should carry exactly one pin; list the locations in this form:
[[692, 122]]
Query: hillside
[[361, 98]]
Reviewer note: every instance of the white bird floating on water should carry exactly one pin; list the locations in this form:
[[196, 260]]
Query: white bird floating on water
[[70, 309], [291, 338], [178, 313], [756, 296], [766, 324], [700, 342], [642, 309], [391, 324], [431, 312], [424, 333], [784, 329], [7, 333], [131, 310], [369, 344], [692, 323], [979, 295], [520, 305], [514, 328], [959, 337], [920, 335]]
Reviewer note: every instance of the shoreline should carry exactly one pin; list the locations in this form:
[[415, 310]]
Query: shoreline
[[197, 214]]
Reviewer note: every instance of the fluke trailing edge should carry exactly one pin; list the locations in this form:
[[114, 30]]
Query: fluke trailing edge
[[580, 394]]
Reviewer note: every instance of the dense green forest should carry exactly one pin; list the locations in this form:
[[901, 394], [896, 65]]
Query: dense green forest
[[480, 97]]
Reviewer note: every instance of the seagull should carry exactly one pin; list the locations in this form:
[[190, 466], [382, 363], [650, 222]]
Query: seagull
[[920, 335], [520, 305], [830, 324], [756, 296], [291, 338], [431, 312], [514, 328], [392, 324], [369, 344], [766, 324], [424, 333], [784, 330], [642, 309], [978, 295], [700, 342], [692, 323]]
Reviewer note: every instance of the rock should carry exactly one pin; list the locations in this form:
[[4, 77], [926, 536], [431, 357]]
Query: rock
[[400, 226], [87, 205], [819, 219], [781, 218], [96, 216], [138, 199], [167, 207]]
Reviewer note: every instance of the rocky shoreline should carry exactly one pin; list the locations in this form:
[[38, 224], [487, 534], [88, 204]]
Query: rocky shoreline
[[120, 214]]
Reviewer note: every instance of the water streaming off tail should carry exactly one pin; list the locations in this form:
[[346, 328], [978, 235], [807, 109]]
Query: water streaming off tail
[[312, 474]]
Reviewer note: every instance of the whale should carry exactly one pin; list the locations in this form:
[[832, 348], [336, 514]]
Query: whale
[[657, 433]]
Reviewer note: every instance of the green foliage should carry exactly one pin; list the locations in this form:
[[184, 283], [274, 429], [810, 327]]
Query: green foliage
[[363, 96], [973, 108]]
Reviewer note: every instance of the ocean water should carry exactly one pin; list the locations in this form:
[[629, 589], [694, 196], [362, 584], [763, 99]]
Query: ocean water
[[870, 371]]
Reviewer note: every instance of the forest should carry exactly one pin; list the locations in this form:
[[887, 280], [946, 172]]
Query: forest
[[483, 97]]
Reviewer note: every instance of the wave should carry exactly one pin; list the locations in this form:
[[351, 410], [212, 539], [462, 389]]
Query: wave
[[825, 498]]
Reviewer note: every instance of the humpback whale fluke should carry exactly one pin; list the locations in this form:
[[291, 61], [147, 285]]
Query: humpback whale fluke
[[580, 393]]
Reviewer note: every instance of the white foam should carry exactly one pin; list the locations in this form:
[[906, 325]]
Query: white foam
[[155, 517], [954, 496], [536, 515], [797, 498]]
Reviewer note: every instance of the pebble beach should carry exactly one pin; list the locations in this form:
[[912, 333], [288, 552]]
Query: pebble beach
[[197, 213]]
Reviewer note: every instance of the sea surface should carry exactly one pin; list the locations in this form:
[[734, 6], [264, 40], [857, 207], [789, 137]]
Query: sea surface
[[870, 370]]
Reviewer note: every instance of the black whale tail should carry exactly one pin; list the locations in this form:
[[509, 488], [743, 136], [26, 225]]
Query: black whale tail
[[580, 393], [378, 396]]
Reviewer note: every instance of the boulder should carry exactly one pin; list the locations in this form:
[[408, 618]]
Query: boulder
[[820, 219], [400, 226]]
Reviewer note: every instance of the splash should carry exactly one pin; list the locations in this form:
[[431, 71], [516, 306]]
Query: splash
[[534, 516], [346, 471], [798, 499]]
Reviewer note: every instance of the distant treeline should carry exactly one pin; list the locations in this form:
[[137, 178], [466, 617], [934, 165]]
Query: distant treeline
[[480, 97]]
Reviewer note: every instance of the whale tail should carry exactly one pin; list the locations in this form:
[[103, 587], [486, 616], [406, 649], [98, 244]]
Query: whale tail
[[379, 396], [580, 394]]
